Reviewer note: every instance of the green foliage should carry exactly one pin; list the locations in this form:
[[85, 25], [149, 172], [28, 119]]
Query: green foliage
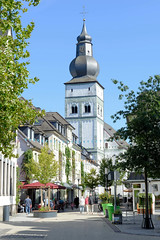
[[142, 111], [27, 165], [105, 163], [91, 179], [107, 198], [117, 211], [14, 76], [60, 165], [68, 163], [141, 199], [82, 176], [73, 166], [44, 209], [18, 183], [46, 168], [104, 197]]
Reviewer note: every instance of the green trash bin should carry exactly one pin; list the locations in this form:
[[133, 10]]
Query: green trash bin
[[111, 211], [105, 206]]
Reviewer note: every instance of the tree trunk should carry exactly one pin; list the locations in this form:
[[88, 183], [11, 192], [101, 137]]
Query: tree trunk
[[49, 196], [146, 200], [41, 198]]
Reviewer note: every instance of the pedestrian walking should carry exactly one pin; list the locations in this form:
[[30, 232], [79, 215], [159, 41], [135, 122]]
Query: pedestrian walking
[[86, 203], [28, 205], [91, 203], [82, 204]]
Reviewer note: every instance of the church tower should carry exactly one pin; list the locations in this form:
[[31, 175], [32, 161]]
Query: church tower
[[84, 98]]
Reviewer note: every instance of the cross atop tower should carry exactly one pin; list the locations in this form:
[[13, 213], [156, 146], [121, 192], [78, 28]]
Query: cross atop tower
[[84, 13]]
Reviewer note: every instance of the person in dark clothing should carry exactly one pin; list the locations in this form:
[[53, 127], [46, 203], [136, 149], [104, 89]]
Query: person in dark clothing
[[76, 201], [28, 205], [91, 204]]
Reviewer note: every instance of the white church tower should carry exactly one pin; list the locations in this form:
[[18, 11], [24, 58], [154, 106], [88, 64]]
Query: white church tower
[[84, 98]]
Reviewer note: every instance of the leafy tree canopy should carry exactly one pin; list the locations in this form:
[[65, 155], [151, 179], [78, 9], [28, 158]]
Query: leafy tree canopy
[[46, 168], [14, 76], [142, 111], [27, 165], [105, 163], [91, 179]]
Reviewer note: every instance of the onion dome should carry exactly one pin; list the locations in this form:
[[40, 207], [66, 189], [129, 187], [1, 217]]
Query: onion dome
[[84, 63]]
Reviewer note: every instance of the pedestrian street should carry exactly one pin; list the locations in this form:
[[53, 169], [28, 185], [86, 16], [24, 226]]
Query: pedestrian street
[[66, 226]]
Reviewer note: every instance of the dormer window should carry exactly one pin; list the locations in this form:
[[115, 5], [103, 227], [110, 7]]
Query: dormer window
[[74, 109], [87, 108]]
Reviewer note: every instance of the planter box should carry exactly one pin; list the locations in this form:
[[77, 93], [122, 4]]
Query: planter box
[[117, 218], [49, 214]]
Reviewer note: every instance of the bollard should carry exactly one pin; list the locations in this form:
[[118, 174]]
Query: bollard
[[6, 213]]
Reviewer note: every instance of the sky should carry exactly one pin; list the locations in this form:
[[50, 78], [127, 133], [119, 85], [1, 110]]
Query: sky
[[126, 43]]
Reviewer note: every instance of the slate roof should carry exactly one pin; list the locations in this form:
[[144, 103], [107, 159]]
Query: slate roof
[[83, 79], [135, 176], [34, 144], [55, 116], [111, 131]]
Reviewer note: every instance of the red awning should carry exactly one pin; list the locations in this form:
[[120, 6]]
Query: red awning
[[37, 185]]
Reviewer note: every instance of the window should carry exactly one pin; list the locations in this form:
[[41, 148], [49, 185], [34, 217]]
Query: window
[[98, 109], [87, 108], [89, 89], [71, 90], [106, 145], [74, 109]]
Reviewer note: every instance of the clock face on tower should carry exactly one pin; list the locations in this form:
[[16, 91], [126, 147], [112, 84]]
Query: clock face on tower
[[81, 48]]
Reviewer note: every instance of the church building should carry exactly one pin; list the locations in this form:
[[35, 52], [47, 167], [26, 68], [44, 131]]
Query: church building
[[84, 102]]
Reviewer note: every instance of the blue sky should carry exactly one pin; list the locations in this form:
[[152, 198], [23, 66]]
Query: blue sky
[[126, 43]]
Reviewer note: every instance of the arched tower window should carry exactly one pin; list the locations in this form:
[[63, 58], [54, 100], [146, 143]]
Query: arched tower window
[[74, 109], [87, 108]]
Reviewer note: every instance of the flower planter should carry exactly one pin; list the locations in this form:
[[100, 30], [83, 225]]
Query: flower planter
[[111, 211], [117, 218], [46, 214]]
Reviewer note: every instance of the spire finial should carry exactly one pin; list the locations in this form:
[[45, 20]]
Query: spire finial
[[84, 13]]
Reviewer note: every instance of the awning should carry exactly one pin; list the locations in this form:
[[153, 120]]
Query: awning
[[76, 186], [128, 190], [37, 185], [68, 186]]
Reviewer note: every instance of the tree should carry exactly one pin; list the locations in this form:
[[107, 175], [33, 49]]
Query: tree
[[68, 162], [27, 165], [14, 76], [91, 179], [142, 111], [46, 168], [105, 163]]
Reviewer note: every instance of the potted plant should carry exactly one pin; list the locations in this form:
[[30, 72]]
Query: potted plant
[[117, 217], [45, 212]]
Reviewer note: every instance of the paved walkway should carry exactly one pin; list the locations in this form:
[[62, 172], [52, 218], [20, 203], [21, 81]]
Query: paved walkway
[[132, 224], [21, 224]]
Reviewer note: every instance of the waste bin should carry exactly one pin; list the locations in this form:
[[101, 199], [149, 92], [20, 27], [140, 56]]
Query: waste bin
[[6, 213], [106, 213], [111, 211], [105, 206]]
